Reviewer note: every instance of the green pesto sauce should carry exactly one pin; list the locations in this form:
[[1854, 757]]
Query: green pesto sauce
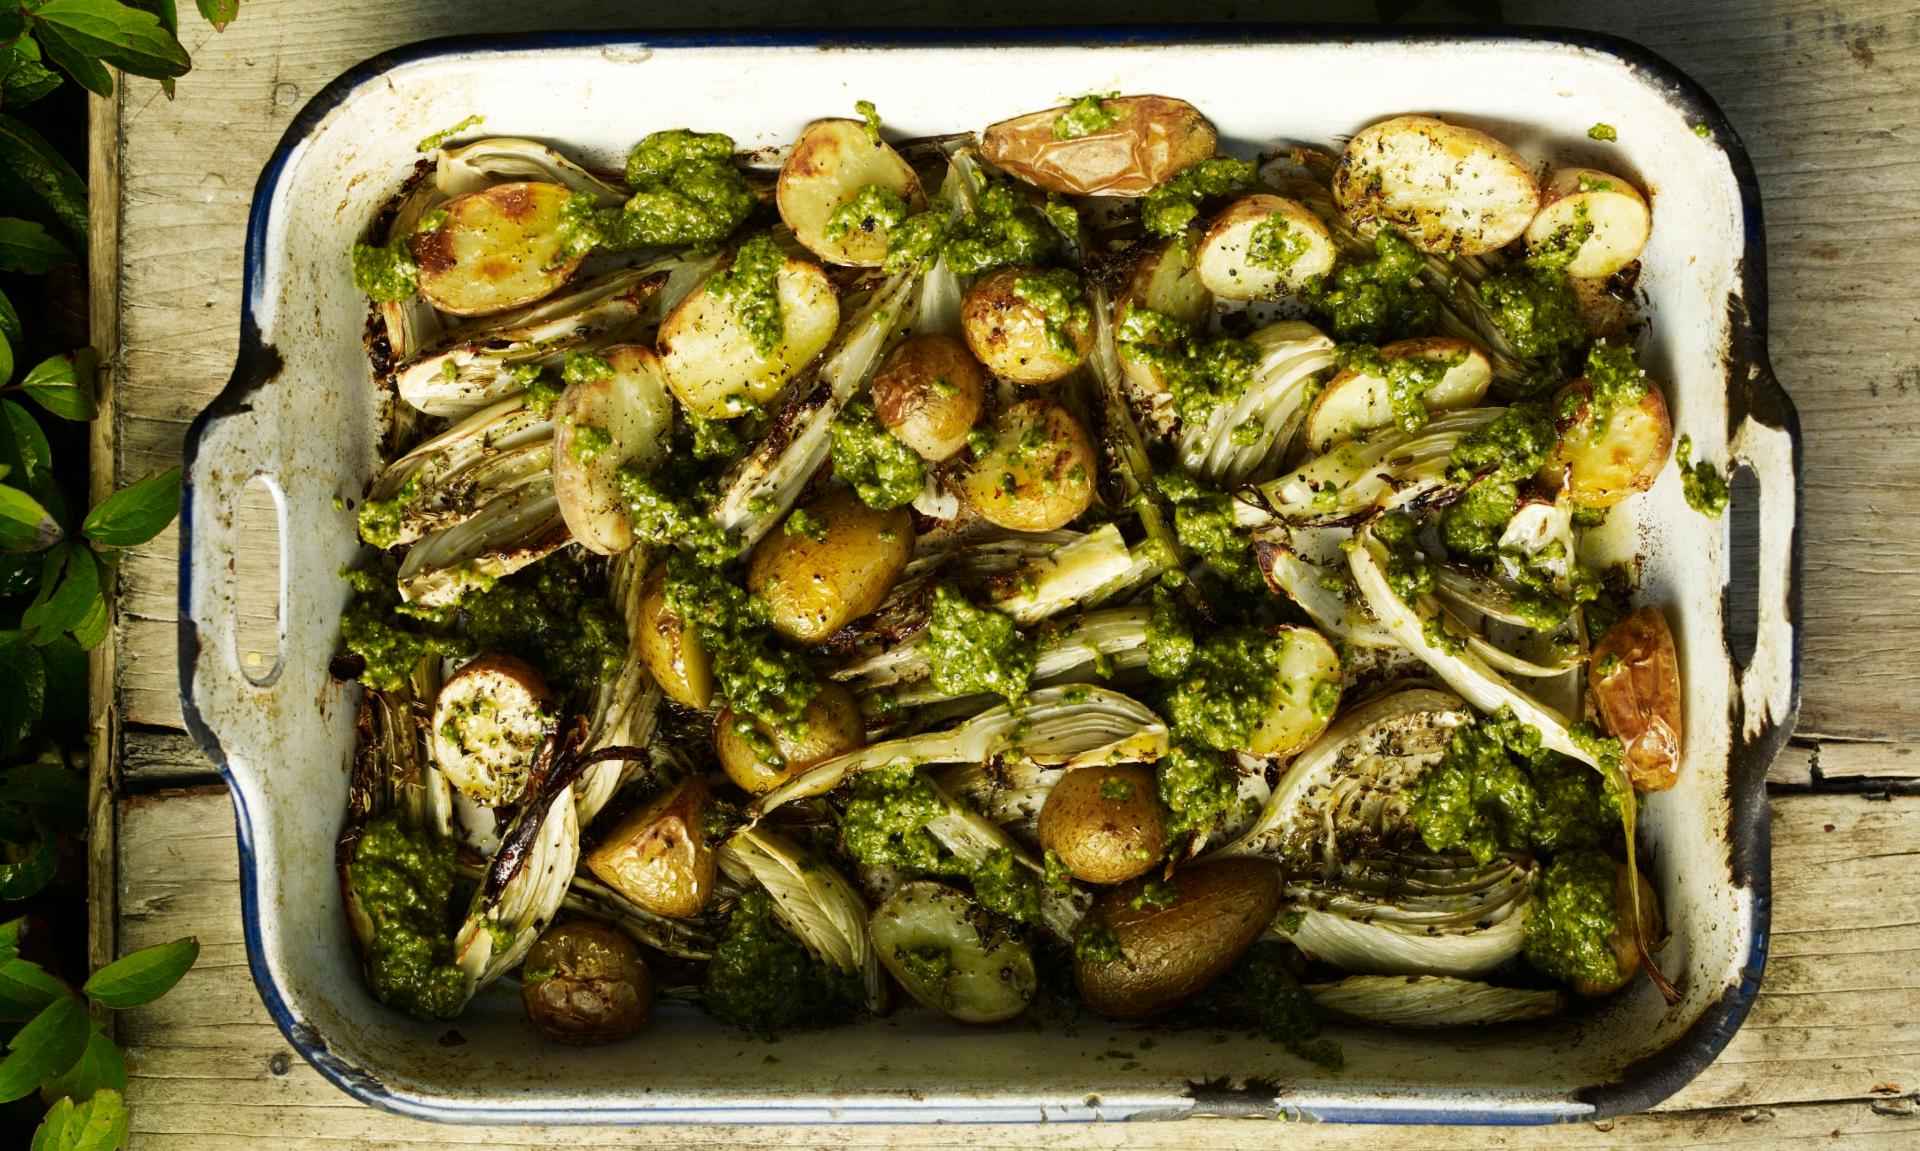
[[1085, 116], [585, 368], [1409, 379], [1559, 249], [1534, 309], [714, 439], [927, 966], [391, 637], [1512, 447], [669, 508], [686, 191], [1004, 229], [882, 471], [1170, 640], [1569, 935], [1603, 132], [1201, 372], [1057, 293], [429, 143], [1065, 219], [1006, 887], [875, 208], [1156, 894], [554, 617], [1472, 527], [1116, 790], [542, 389], [1498, 791], [801, 522], [1170, 208], [1409, 571], [404, 882], [870, 115], [916, 241], [885, 822], [757, 677], [976, 650], [1197, 786], [1325, 699], [380, 520], [1704, 485], [1055, 876], [1615, 381], [751, 287], [1096, 943], [1224, 692], [588, 442], [1203, 521], [1371, 301], [762, 979], [1261, 990], [386, 273], [1276, 244]]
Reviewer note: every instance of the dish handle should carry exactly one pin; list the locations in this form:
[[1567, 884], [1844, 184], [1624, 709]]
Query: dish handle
[[1767, 443]]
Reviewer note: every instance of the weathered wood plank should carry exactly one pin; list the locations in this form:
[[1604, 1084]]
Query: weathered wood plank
[[1835, 1020]]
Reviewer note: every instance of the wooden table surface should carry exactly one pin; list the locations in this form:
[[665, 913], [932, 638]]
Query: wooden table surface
[[1827, 98]]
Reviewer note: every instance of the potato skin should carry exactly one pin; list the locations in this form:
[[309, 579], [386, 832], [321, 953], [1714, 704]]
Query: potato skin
[[813, 588], [1173, 952], [659, 856], [497, 249], [1106, 824], [671, 650], [1635, 688], [832, 725], [1033, 489], [1626, 952], [584, 982], [1151, 138], [928, 393], [1009, 335], [1626, 457]]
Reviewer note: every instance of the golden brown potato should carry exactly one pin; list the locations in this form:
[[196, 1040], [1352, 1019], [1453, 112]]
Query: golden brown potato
[[659, 856], [495, 249], [584, 982], [1106, 824], [1014, 338], [1603, 218], [1173, 947], [1626, 952], [928, 393], [709, 356], [815, 586], [829, 726], [1038, 475], [1305, 693], [1635, 684], [1357, 402], [1163, 280], [829, 165], [631, 408], [1447, 188], [671, 650], [1263, 244], [1150, 139], [1601, 467], [488, 721]]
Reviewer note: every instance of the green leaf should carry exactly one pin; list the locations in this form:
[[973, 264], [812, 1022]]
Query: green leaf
[[25, 526], [101, 1067], [28, 865], [33, 456], [166, 11], [63, 384], [10, 933], [143, 976], [99, 1124], [91, 629], [86, 71], [35, 163], [219, 13], [72, 599], [135, 513], [10, 322], [6, 358], [49, 1044], [23, 693], [127, 38], [27, 79], [55, 793], [27, 247], [26, 989], [66, 662]]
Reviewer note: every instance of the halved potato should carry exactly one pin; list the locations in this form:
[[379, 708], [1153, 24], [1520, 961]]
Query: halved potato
[[673, 653], [1611, 213], [812, 586], [495, 249], [659, 856], [947, 954], [1356, 402], [1634, 679], [1600, 467], [1163, 280], [1262, 244], [709, 356], [928, 393], [1448, 188], [829, 725], [829, 165], [1038, 475], [1149, 140], [488, 721], [1011, 335], [1306, 693], [632, 410]]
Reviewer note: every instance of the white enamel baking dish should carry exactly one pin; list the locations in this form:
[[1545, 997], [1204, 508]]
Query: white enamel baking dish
[[301, 412]]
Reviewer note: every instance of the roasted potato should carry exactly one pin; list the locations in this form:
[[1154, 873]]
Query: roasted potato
[[1106, 824], [1038, 475], [659, 856], [1626, 952], [488, 721], [709, 355], [1014, 338], [494, 250], [1449, 189], [1305, 693], [1600, 467], [1606, 303], [584, 982], [630, 413], [673, 653], [1262, 244], [1634, 683], [949, 955], [1172, 947], [928, 393], [829, 726], [1602, 217], [1357, 402], [1150, 138], [814, 587], [1163, 280], [829, 165]]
